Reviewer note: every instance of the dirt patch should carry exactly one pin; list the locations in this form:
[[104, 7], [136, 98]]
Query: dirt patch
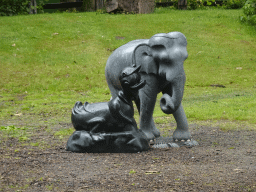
[[223, 161]]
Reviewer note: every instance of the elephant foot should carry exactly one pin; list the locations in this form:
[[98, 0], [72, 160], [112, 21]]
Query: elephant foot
[[151, 133], [156, 132], [181, 135]]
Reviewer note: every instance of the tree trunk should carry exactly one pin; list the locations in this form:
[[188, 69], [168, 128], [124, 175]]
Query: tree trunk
[[33, 8], [182, 4], [99, 4]]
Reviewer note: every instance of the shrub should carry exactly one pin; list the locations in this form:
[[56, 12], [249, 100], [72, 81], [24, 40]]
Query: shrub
[[194, 4], [18, 7], [14, 7], [87, 5], [250, 12], [233, 4]]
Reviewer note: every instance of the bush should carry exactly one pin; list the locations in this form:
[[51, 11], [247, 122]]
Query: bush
[[194, 4], [250, 12], [87, 5], [17, 7], [233, 4], [14, 7]]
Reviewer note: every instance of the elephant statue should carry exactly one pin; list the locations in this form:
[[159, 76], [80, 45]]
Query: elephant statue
[[161, 59]]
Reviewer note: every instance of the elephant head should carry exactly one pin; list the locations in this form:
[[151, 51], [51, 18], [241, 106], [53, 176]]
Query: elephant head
[[163, 55]]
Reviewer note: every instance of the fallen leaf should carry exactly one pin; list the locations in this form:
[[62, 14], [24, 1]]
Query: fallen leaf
[[239, 68], [18, 114], [238, 170], [152, 172], [84, 187], [14, 45]]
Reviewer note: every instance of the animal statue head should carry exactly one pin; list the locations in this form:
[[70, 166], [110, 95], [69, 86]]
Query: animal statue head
[[163, 55], [130, 80]]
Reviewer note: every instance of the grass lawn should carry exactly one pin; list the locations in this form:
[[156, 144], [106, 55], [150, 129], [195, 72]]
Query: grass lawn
[[50, 61]]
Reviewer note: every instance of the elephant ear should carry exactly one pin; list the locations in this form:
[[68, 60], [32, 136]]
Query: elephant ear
[[142, 57]]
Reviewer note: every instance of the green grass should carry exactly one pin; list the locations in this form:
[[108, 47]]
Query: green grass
[[64, 132], [15, 132], [50, 61]]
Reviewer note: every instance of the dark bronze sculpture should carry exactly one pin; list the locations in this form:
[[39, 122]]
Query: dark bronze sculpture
[[161, 59], [137, 71], [110, 126]]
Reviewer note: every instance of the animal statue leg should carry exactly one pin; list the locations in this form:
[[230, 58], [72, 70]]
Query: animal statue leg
[[146, 105], [181, 132]]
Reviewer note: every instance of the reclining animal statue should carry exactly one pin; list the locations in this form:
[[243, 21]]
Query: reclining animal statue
[[110, 126]]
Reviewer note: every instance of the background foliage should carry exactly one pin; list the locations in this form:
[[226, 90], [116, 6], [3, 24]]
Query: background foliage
[[233, 4], [250, 12], [14, 7], [195, 4], [18, 7]]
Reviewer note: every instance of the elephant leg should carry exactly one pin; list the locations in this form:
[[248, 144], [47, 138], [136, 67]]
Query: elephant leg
[[146, 105], [155, 131], [181, 132]]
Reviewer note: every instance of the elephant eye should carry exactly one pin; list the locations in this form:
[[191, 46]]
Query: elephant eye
[[124, 74]]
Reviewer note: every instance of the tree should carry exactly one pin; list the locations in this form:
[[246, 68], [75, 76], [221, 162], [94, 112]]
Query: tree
[[182, 4], [33, 7]]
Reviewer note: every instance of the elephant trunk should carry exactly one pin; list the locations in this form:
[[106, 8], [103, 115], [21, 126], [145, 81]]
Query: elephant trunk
[[172, 95]]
